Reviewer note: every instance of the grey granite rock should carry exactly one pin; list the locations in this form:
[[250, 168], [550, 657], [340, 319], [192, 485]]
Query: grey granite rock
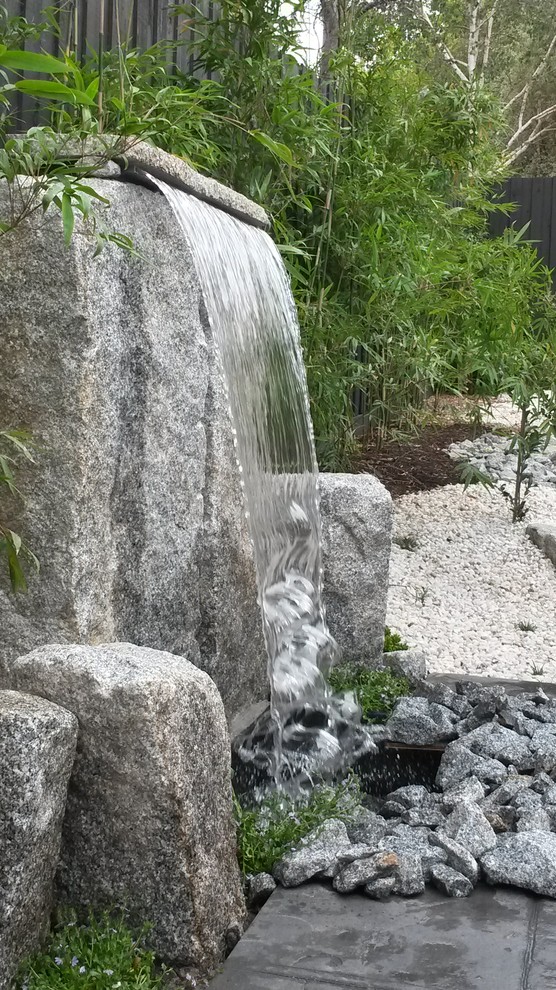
[[411, 664], [381, 888], [542, 783], [509, 789], [133, 505], [411, 796], [543, 746], [450, 882], [356, 513], [490, 694], [428, 815], [525, 859], [368, 830], [502, 818], [364, 871], [37, 749], [408, 841], [468, 826], [533, 821], [458, 762], [259, 889], [392, 809], [314, 854], [149, 822], [526, 801], [494, 741], [457, 856], [410, 880], [543, 535], [469, 789], [444, 695], [420, 722]]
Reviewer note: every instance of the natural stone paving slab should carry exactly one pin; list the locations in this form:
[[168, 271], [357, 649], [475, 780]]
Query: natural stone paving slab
[[314, 939]]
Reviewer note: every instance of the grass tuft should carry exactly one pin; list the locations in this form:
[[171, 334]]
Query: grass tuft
[[376, 691], [101, 955], [269, 830], [393, 642]]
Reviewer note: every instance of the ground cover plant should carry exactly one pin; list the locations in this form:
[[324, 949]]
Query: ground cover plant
[[266, 831], [376, 691], [103, 954]]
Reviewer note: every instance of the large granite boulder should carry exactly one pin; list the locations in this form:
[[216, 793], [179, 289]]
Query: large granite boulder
[[133, 505], [149, 820], [37, 749], [356, 512], [526, 859]]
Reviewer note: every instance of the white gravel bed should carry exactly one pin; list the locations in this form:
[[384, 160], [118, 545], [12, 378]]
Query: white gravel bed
[[472, 577]]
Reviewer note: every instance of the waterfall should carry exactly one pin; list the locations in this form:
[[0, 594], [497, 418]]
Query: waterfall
[[253, 318]]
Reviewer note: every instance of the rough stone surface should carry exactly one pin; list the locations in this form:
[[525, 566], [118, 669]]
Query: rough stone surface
[[458, 762], [380, 889], [134, 504], [364, 871], [457, 856], [356, 512], [420, 722], [469, 789], [543, 536], [259, 889], [37, 749], [450, 882], [410, 880], [315, 854], [468, 826], [497, 742], [525, 859], [408, 841], [411, 664], [149, 822], [146, 154]]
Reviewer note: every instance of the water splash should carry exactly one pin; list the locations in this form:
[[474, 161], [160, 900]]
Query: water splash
[[254, 322]]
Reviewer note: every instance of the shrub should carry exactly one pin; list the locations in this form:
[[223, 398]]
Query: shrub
[[393, 641]]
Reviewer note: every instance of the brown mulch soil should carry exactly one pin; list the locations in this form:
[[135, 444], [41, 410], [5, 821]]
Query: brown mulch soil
[[417, 464]]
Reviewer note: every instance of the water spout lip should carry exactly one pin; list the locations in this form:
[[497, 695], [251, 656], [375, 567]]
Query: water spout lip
[[138, 172]]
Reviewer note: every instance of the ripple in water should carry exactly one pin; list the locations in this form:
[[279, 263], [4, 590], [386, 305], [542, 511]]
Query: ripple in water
[[253, 319]]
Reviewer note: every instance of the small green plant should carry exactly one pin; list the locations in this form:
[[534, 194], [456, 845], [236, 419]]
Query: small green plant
[[100, 955], [408, 542], [266, 832], [537, 670], [526, 626], [470, 474], [376, 691], [421, 595], [14, 446], [393, 642]]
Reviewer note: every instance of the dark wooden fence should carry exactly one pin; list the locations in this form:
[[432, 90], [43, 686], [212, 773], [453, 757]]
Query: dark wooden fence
[[137, 23], [536, 202]]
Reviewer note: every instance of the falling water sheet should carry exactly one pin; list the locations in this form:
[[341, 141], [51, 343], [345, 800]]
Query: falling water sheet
[[254, 323]]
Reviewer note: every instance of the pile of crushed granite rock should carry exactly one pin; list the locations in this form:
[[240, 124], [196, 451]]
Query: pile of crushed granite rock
[[492, 815]]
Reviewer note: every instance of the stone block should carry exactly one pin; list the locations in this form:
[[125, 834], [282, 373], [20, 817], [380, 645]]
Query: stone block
[[37, 749], [149, 820], [543, 535], [133, 505], [356, 513]]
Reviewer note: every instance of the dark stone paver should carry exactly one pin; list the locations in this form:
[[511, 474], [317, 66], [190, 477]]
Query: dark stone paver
[[311, 938]]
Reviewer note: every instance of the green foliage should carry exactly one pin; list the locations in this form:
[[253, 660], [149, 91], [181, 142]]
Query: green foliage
[[268, 830], [393, 641], [376, 691], [101, 955], [14, 447]]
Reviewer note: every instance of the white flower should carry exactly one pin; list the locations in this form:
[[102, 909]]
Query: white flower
[[108, 972], [75, 961], [82, 969], [58, 961]]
